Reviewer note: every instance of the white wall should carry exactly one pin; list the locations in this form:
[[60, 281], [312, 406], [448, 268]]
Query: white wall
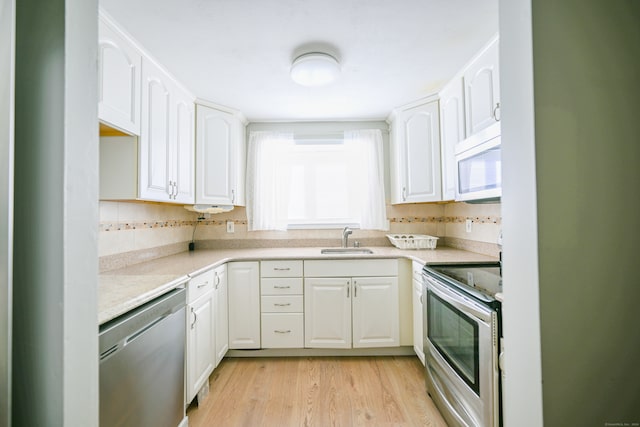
[[7, 19], [55, 345], [521, 319]]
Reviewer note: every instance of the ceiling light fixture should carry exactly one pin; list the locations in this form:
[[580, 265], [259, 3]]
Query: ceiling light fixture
[[315, 69]]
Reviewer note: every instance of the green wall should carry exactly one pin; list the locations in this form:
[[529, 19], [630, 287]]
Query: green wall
[[586, 61]]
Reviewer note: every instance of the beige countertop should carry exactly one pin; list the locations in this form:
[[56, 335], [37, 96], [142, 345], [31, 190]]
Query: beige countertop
[[124, 289]]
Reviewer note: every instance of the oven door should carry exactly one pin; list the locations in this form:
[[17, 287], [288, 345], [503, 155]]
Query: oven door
[[461, 356]]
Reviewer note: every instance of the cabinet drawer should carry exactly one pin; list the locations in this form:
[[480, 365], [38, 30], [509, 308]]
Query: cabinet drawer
[[283, 268], [282, 304], [199, 285], [282, 330], [283, 286]]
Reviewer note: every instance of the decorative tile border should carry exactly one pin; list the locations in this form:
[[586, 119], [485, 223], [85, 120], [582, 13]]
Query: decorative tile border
[[119, 226], [116, 226]]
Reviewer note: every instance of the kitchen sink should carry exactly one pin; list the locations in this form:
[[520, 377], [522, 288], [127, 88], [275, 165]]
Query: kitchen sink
[[360, 251]]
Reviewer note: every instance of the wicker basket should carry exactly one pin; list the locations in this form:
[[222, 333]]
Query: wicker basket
[[412, 241]]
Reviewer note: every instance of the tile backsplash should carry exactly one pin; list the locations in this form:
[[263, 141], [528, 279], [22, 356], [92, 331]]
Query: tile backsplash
[[131, 232]]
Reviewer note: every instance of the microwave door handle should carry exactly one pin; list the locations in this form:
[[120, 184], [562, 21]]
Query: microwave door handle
[[463, 304]]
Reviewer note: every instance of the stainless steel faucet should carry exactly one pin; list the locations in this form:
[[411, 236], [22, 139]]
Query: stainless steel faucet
[[345, 237]]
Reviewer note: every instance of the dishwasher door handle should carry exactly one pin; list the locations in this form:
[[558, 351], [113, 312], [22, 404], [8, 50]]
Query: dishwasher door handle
[[141, 331]]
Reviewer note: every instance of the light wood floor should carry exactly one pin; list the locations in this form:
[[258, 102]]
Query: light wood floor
[[317, 391]]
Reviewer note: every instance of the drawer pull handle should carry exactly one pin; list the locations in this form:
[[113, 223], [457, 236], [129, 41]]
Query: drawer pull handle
[[288, 331], [282, 268], [202, 285], [282, 287], [282, 305]]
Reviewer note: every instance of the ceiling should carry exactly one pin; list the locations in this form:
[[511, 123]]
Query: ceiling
[[238, 53]]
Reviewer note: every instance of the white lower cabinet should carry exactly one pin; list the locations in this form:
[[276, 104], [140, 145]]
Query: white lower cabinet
[[244, 304], [200, 332], [282, 304], [355, 311], [221, 313], [418, 340], [327, 308]]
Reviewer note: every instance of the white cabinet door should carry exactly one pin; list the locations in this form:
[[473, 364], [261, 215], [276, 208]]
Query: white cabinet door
[[482, 90], [375, 312], [417, 320], [166, 139], [416, 147], [155, 135], [452, 122], [200, 345], [244, 304], [183, 148], [417, 310], [220, 152], [119, 64], [221, 313], [327, 312]]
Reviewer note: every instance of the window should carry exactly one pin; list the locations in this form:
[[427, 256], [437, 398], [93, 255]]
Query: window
[[325, 182], [315, 182]]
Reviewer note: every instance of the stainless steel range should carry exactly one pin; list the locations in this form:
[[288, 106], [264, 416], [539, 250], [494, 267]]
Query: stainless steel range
[[462, 330]]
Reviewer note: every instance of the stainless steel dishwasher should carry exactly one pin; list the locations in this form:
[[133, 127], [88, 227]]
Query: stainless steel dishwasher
[[142, 365]]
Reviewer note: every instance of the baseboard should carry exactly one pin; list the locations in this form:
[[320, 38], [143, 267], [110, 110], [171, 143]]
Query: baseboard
[[310, 352]]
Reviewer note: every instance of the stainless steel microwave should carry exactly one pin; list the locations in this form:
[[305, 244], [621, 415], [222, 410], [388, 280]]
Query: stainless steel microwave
[[479, 166]]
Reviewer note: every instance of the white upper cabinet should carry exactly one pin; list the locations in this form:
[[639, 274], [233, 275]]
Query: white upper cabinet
[[159, 165], [482, 90], [221, 153], [452, 122], [155, 136], [119, 64], [183, 173], [415, 151], [166, 139]]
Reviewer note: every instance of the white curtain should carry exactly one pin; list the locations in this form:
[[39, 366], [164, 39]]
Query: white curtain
[[267, 180], [268, 177], [373, 214]]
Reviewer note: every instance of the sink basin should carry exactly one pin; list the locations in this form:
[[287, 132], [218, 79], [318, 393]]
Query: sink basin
[[346, 251]]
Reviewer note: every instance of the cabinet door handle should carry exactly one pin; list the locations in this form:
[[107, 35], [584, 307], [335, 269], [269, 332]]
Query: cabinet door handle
[[277, 331], [348, 289], [282, 305], [233, 196], [195, 318], [495, 112], [404, 193], [355, 289], [281, 268], [281, 287], [217, 281]]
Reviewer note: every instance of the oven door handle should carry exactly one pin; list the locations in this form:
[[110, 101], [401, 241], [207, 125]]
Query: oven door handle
[[461, 302]]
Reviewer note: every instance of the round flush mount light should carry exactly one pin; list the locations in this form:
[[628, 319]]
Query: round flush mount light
[[315, 69]]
